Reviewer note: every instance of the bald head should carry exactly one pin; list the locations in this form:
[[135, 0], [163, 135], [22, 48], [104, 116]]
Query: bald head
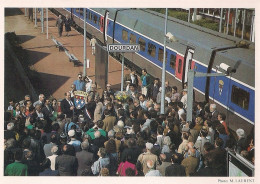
[[150, 164]]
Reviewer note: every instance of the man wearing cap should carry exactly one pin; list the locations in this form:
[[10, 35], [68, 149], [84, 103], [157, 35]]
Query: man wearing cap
[[131, 78], [80, 83], [73, 141], [144, 157]]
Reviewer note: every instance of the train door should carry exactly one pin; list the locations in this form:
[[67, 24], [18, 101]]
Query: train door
[[188, 64], [179, 66], [102, 24]]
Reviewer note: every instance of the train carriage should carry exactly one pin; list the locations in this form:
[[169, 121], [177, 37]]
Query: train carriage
[[198, 48]]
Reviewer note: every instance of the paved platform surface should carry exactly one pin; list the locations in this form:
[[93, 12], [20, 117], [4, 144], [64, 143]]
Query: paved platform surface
[[56, 72]]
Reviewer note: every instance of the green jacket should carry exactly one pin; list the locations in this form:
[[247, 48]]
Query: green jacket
[[148, 80], [16, 169], [91, 133]]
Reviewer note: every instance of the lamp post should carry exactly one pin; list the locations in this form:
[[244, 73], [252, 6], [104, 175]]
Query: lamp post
[[164, 64], [85, 53]]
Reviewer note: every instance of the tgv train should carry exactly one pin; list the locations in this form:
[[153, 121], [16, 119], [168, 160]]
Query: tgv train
[[197, 48]]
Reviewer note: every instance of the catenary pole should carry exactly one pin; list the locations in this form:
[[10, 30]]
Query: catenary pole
[[164, 64]]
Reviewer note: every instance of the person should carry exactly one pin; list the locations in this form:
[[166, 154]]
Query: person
[[73, 141], [102, 162], [109, 121], [67, 23], [47, 170], [16, 168], [93, 42], [131, 78], [80, 83], [164, 164], [184, 98], [30, 14], [66, 164], [241, 143], [40, 101], [175, 95], [152, 171], [213, 112], [11, 105], [144, 157], [146, 83], [191, 162], [222, 118], [59, 24], [73, 88], [54, 151], [175, 169], [155, 89], [67, 106], [85, 158], [88, 82]]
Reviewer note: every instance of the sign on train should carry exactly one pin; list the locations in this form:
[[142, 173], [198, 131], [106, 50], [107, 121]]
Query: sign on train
[[123, 48]]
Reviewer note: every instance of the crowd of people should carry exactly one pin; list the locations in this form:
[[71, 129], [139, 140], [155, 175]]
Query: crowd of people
[[113, 137]]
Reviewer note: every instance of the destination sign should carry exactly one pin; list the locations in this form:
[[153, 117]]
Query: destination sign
[[123, 48]]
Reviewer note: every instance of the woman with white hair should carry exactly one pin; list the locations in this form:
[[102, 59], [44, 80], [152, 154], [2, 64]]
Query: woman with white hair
[[241, 143], [166, 145]]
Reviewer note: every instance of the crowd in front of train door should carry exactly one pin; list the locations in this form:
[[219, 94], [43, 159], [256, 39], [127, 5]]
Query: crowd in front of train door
[[118, 133]]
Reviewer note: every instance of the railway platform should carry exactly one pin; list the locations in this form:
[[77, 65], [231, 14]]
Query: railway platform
[[56, 72]]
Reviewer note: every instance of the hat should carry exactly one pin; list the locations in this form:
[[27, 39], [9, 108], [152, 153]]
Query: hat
[[71, 133], [149, 145], [240, 132], [185, 90]]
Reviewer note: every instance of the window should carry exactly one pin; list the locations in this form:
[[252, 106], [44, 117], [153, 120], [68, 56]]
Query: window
[[124, 35], [86, 14], [95, 19], [240, 97], [160, 55], [151, 49], [90, 16], [142, 44], [77, 10], [81, 11], [173, 61], [179, 66], [132, 38]]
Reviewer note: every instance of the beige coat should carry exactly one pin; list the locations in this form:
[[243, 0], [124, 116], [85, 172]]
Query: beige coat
[[109, 123], [98, 112], [144, 157]]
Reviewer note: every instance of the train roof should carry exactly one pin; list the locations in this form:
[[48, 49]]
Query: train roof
[[151, 24]]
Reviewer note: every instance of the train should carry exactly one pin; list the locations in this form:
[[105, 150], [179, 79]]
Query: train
[[197, 48]]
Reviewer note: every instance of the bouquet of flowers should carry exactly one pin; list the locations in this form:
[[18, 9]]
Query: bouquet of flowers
[[122, 96]]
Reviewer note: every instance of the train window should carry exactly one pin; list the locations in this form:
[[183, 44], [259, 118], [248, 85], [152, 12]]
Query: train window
[[240, 97], [90, 16], [142, 44], [95, 19], [124, 35], [77, 10], [132, 38], [179, 66], [81, 11], [172, 61], [151, 49], [102, 22], [86, 14], [160, 55]]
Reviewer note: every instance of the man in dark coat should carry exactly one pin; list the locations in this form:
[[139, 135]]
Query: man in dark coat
[[67, 23], [175, 169], [85, 158], [59, 24], [66, 164], [67, 106]]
